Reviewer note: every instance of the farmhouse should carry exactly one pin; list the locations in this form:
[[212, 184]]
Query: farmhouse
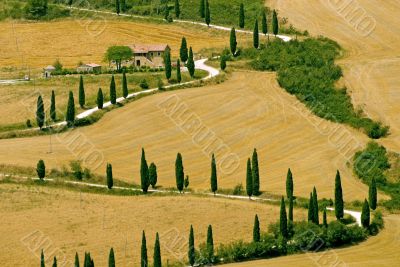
[[91, 67], [150, 55]]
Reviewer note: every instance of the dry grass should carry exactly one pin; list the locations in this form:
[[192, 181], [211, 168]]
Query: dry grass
[[73, 222]]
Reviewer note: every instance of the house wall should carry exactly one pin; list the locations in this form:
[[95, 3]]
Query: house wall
[[151, 59]]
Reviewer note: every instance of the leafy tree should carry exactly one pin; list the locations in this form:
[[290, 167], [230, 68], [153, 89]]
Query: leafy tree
[[255, 173], [256, 229], [223, 62], [264, 24], [53, 113], [40, 115], [100, 99], [118, 54], [339, 212], [275, 26], [178, 71], [191, 251], [111, 258], [177, 9], [249, 179], [256, 37], [373, 195], [207, 14], [35, 9], [324, 219], [210, 245], [124, 85], [214, 182], [157, 252], [55, 262], [179, 174], [315, 207], [167, 63], [41, 169], [190, 64], [233, 42], [241, 16], [187, 181], [283, 220], [153, 174], [365, 214], [289, 184], [57, 65], [117, 7], [70, 116], [113, 92], [76, 260], [183, 51], [81, 92], [144, 173], [42, 259], [110, 181], [311, 209], [144, 261], [202, 8]]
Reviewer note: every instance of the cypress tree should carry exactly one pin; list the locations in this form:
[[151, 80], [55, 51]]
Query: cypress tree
[[82, 99], [110, 181], [283, 220], [123, 5], [207, 14], [241, 16], [144, 261], [315, 207], [117, 7], [186, 181], [256, 37], [41, 169], [167, 63], [223, 63], [214, 182], [233, 42], [365, 214], [311, 209], [40, 115], [275, 26], [100, 99], [53, 113], [55, 262], [70, 116], [111, 258], [166, 11], [289, 184], [153, 174], [191, 251], [202, 8], [157, 252], [249, 179], [113, 93], [177, 9], [339, 212], [178, 71], [255, 173], [210, 245], [124, 85], [324, 219], [256, 229], [373, 195], [264, 24], [42, 259], [190, 64], [179, 173], [183, 51], [76, 260], [144, 173], [290, 216]]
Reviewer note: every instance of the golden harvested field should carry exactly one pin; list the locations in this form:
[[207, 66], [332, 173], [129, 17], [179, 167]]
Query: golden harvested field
[[247, 111], [67, 222]]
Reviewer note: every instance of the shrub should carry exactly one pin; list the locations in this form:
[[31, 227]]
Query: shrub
[[28, 123], [238, 190], [376, 223], [76, 169], [143, 84], [339, 234]]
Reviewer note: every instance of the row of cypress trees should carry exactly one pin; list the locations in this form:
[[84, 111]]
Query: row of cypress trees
[[186, 56], [40, 112]]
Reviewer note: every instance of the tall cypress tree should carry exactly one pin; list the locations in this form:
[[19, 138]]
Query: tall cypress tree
[[283, 220], [166, 12], [53, 112], [40, 115], [210, 245], [324, 219], [373, 195], [256, 37], [178, 71], [113, 93], [144, 261], [183, 51], [289, 184], [110, 181], [123, 6], [315, 207], [190, 63], [233, 42], [167, 63], [157, 252], [275, 24], [177, 9], [70, 116], [290, 216], [111, 258], [256, 173], [191, 251], [256, 229], [179, 173], [41, 169], [207, 14], [365, 214], [214, 182], [339, 212], [311, 209], [100, 99], [144, 173], [249, 179], [76, 260], [124, 85], [153, 174], [241, 16], [82, 98], [202, 8], [55, 262], [264, 24], [42, 259], [117, 7]]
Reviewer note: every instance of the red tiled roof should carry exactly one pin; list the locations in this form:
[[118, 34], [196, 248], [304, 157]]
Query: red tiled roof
[[145, 48]]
